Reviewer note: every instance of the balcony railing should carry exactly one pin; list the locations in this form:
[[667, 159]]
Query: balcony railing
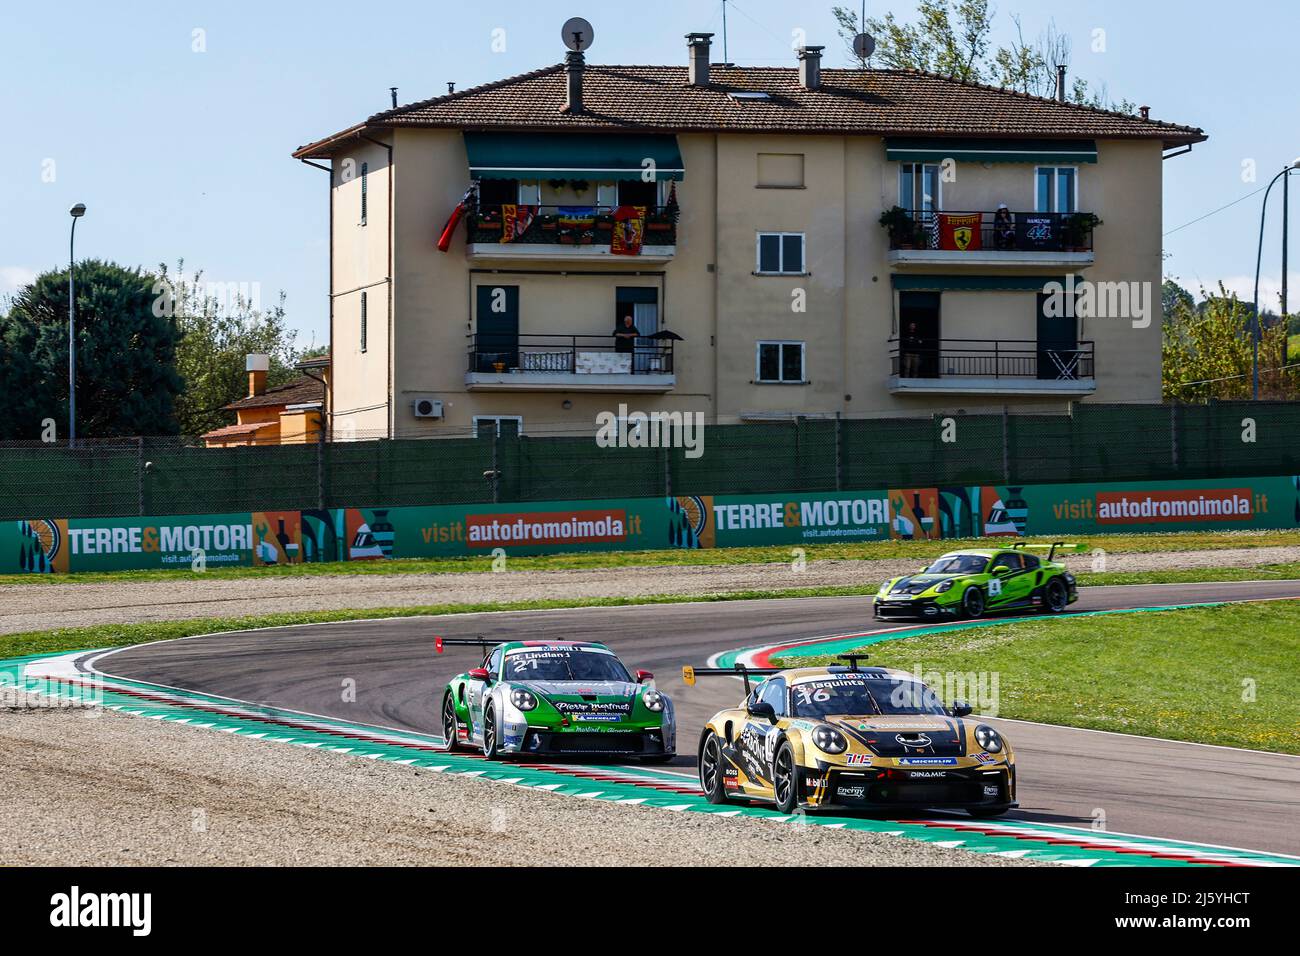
[[998, 359], [1015, 232], [570, 225], [491, 352]]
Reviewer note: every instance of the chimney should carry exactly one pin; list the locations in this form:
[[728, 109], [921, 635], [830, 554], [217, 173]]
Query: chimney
[[699, 45], [257, 365], [393, 91], [810, 67], [1060, 83], [574, 63], [1146, 112]]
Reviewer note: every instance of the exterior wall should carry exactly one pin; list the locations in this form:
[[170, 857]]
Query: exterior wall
[[361, 379], [709, 291]]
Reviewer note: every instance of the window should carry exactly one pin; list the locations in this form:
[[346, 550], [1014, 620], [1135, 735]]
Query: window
[[919, 187], [781, 362], [493, 663], [780, 253], [365, 184], [780, 170], [498, 192], [1056, 189], [1009, 559], [498, 426], [773, 692], [363, 321], [530, 194]]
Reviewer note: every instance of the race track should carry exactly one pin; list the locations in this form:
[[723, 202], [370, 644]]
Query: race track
[[1158, 788]]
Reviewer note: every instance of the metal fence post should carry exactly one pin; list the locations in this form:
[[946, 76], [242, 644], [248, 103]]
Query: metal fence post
[[320, 470], [668, 470], [839, 456], [139, 474], [496, 469], [1173, 436]]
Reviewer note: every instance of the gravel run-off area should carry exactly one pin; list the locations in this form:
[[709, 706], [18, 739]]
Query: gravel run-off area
[[112, 789], [47, 606]]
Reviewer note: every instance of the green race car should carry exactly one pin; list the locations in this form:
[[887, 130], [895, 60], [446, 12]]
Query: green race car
[[548, 698], [977, 581]]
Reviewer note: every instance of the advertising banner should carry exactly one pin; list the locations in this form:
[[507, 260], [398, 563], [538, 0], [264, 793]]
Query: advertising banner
[[58, 545]]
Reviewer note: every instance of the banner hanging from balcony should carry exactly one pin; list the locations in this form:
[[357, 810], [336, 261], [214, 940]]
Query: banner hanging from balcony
[[960, 233], [599, 158], [515, 221], [629, 231]]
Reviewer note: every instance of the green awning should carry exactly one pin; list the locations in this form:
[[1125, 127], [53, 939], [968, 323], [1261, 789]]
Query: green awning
[[597, 158], [1042, 151], [967, 283]]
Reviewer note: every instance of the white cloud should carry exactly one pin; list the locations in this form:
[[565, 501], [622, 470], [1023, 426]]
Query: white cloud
[[13, 278]]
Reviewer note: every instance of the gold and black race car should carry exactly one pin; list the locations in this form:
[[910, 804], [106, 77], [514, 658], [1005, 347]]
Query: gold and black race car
[[851, 737]]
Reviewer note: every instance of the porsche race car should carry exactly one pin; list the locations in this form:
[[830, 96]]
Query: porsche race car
[[977, 581], [546, 698], [851, 737]]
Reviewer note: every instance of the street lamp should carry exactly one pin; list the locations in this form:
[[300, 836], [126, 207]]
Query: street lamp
[[1259, 256], [76, 212]]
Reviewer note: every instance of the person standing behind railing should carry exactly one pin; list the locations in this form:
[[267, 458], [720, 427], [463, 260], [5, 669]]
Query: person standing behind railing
[[1004, 228]]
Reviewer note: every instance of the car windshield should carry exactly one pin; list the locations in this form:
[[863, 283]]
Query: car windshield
[[863, 695], [563, 663], [959, 564]]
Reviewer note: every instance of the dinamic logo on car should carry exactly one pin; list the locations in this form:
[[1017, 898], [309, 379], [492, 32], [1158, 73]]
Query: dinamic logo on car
[[913, 741]]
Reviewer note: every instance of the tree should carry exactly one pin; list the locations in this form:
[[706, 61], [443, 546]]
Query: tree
[[953, 38], [216, 337], [126, 376], [1208, 352], [1172, 297]]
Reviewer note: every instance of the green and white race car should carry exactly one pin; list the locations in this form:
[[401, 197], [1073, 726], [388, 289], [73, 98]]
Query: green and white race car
[[547, 698], [977, 581]]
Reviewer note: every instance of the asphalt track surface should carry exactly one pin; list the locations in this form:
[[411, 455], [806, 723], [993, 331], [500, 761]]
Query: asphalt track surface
[[1159, 788]]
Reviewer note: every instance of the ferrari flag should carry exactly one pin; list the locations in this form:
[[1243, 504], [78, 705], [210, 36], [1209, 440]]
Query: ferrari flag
[[960, 233]]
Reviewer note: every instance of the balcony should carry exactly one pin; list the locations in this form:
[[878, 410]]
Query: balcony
[[977, 238], [991, 367], [567, 363], [567, 234]]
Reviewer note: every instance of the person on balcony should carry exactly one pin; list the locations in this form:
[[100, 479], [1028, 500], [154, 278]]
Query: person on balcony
[[912, 346], [1004, 228], [625, 335]]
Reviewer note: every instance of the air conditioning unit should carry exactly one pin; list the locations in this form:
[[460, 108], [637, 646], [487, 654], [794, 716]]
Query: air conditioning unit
[[425, 407]]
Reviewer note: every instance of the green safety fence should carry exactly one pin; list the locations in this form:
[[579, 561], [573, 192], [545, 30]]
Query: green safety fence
[[1094, 442]]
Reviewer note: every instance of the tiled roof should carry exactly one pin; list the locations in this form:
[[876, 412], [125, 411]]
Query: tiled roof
[[867, 102], [235, 431], [303, 390]]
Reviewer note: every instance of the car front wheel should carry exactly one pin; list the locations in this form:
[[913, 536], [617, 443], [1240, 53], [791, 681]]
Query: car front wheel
[[712, 773], [490, 745], [972, 603], [450, 723], [1055, 598], [785, 779]]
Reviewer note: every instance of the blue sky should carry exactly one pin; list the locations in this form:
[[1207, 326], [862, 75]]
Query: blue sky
[[180, 153]]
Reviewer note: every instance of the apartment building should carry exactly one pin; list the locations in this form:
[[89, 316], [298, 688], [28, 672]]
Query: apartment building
[[735, 214]]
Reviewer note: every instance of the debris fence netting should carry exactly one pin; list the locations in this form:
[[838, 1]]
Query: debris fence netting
[[160, 476]]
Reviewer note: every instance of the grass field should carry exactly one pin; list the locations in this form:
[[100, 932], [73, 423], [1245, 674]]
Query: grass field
[[1180, 675], [920, 551]]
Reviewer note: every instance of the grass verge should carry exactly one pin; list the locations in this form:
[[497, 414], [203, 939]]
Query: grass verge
[[919, 551], [1219, 675]]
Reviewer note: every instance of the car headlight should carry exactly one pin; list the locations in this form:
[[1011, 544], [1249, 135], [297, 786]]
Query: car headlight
[[522, 699], [884, 589], [652, 699], [829, 740], [944, 586], [988, 738]]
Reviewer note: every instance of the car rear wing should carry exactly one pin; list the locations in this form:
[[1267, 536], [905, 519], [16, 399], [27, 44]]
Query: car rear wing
[[740, 670], [440, 642], [1051, 549]]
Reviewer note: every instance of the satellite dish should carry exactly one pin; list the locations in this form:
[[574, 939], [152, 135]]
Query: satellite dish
[[864, 44], [577, 34]]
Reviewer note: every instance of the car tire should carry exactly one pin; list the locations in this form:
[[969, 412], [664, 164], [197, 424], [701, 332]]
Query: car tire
[[712, 777], [785, 779], [491, 742], [450, 723], [1055, 597], [972, 603], [983, 814]]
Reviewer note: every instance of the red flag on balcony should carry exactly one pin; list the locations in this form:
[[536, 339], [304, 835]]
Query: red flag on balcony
[[629, 231], [515, 221], [457, 214], [960, 233]]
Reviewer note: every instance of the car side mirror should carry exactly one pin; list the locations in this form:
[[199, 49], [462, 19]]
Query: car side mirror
[[762, 710], [480, 673], [643, 676], [961, 708], [1001, 571]]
